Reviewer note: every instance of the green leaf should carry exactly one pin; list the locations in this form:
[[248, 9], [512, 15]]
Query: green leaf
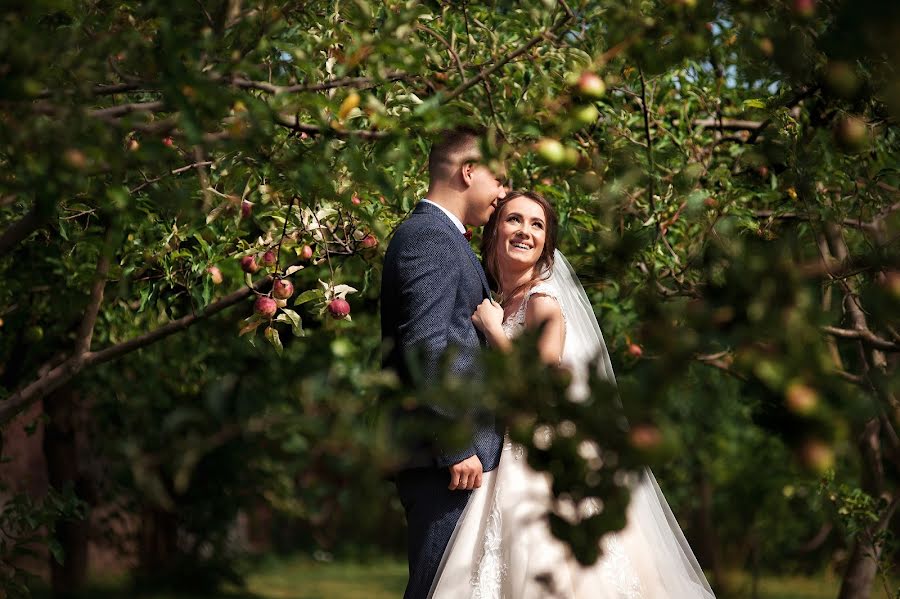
[[251, 325], [215, 212], [307, 296], [292, 318], [274, 338], [753, 103], [56, 550]]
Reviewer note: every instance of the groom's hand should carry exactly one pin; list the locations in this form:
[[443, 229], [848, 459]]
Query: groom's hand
[[466, 475]]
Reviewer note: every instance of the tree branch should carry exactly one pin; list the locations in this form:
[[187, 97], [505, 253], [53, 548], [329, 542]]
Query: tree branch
[[51, 379], [176, 171], [292, 122], [848, 222], [100, 90], [86, 330], [650, 188], [852, 378], [729, 124], [721, 361], [864, 335], [446, 44], [465, 85], [125, 109], [22, 228], [125, 347], [357, 82]]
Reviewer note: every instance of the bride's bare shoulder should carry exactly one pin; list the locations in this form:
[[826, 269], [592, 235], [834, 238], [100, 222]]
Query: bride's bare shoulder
[[542, 307]]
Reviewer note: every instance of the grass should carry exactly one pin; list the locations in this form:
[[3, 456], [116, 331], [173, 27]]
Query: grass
[[822, 586], [303, 578]]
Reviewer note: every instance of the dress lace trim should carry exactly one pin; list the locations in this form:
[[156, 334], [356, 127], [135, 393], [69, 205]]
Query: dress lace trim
[[618, 569], [487, 580], [515, 324]]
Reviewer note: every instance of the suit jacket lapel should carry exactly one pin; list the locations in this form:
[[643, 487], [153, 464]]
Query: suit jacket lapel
[[484, 284], [427, 209]]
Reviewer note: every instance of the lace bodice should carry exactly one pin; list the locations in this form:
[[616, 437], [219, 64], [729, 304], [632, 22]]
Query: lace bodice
[[515, 324]]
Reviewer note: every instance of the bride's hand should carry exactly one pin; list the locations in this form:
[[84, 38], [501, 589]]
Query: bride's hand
[[488, 316]]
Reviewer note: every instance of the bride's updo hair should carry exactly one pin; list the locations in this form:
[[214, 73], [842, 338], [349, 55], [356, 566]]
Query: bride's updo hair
[[490, 245]]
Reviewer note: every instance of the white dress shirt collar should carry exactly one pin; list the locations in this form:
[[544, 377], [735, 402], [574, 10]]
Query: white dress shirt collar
[[456, 221]]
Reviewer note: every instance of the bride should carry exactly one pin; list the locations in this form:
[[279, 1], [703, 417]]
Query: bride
[[502, 546]]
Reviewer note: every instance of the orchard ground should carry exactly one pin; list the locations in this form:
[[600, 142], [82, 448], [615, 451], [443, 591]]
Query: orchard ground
[[303, 578]]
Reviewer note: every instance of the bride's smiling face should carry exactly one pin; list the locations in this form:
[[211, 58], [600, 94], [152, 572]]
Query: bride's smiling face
[[521, 232]]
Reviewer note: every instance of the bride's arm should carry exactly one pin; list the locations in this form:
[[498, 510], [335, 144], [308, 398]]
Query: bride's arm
[[488, 318], [545, 309]]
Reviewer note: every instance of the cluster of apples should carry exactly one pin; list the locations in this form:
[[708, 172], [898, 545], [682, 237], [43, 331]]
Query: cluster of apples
[[266, 306], [282, 289], [268, 259], [588, 88]]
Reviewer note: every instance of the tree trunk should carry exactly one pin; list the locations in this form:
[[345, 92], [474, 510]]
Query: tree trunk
[[863, 565], [860, 574], [709, 542], [61, 453], [158, 542]]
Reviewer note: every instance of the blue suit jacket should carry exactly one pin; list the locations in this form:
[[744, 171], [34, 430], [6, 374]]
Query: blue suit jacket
[[431, 284]]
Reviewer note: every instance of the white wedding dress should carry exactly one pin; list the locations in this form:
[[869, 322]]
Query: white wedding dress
[[502, 547]]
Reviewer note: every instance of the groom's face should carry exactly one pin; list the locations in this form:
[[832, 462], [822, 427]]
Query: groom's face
[[485, 188]]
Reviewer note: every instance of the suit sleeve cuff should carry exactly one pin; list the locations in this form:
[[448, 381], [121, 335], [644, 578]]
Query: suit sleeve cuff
[[445, 460]]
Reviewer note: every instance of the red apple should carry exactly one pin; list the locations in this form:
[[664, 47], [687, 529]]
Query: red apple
[[852, 133], [805, 8], [891, 283], [816, 455], [168, 142], [306, 253], [269, 259], [282, 289], [800, 398], [591, 85], [635, 350], [265, 306], [369, 241], [248, 264], [246, 209], [645, 436], [75, 158], [355, 201], [215, 274], [841, 78], [339, 308]]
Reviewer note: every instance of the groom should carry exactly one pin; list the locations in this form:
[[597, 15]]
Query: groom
[[431, 284]]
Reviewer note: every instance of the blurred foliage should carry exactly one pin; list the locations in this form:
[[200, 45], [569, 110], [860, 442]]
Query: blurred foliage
[[26, 527], [728, 194]]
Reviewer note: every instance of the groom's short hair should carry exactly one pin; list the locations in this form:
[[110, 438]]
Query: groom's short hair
[[453, 148]]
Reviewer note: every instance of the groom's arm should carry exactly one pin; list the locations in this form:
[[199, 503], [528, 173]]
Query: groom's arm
[[429, 284]]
